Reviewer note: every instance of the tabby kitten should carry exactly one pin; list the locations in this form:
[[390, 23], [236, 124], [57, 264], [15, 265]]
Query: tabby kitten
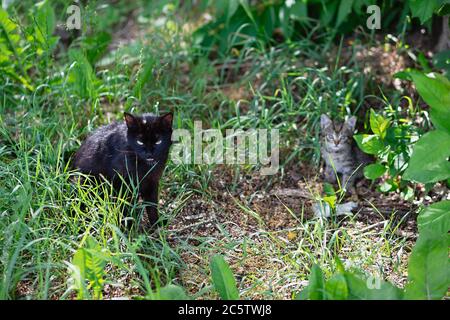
[[341, 152], [136, 149]]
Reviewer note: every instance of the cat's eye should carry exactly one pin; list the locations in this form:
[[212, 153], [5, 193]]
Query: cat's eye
[[158, 142], [139, 142]]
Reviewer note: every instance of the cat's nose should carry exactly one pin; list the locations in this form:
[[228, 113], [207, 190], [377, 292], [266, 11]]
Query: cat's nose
[[336, 142]]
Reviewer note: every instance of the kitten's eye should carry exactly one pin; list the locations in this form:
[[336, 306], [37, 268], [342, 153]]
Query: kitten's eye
[[139, 142], [330, 136], [158, 142]]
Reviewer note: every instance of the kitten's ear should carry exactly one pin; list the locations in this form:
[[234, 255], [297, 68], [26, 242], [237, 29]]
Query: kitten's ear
[[130, 120], [325, 121], [351, 123], [166, 120]]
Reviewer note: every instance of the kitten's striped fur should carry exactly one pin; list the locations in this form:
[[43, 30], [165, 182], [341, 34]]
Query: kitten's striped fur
[[340, 151]]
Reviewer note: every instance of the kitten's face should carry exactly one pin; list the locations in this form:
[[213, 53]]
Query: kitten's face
[[337, 135], [150, 136]]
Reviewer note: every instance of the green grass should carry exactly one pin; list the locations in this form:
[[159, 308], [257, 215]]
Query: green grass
[[45, 216]]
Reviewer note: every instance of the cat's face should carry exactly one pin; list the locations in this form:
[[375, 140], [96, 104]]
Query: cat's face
[[150, 136], [336, 135]]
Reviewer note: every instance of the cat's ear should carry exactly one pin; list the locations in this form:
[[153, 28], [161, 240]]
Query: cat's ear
[[167, 119], [130, 120], [325, 121], [351, 123]]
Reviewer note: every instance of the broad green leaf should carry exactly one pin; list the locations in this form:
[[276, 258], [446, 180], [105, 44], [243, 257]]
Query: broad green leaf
[[232, 7], [345, 7], [435, 218], [441, 60], [328, 12], [435, 91], [90, 261], [328, 189], [226, 9], [145, 76], [428, 268], [339, 265], [423, 9], [357, 287], [96, 46], [299, 11], [10, 49], [316, 286], [378, 124], [82, 76], [369, 143], [336, 288], [46, 21], [8, 31], [172, 292], [387, 291], [331, 200], [358, 4], [245, 5], [223, 278], [370, 289], [302, 295], [374, 171], [77, 278], [284, 18], [429, 160], [386, 186]]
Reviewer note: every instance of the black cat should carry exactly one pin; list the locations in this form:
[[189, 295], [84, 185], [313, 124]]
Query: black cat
[[136, 149]]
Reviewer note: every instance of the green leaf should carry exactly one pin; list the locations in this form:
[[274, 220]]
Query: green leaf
[[336, 288], [435, 218], [96, 46], [357, 6], [82, 76], [223, 278], [408, 193], [88, 264], [232, 7], [386, 186], [299, 11], [429, 160], [284, 18], [441, 60], [45, 25], [428, 268], [10, 47], [423, 9], [303, 295], [316, 286], [345, 7], [328, 12], [374, 171], [368, 289], [172, 292], [357, 287], [339, 265], [145, 76], [435, 91], [328, 189], [378, 124], [226, 8], [369, 143], [331, 200]]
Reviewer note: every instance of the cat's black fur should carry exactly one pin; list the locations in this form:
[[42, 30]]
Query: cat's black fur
[[136, 149]]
